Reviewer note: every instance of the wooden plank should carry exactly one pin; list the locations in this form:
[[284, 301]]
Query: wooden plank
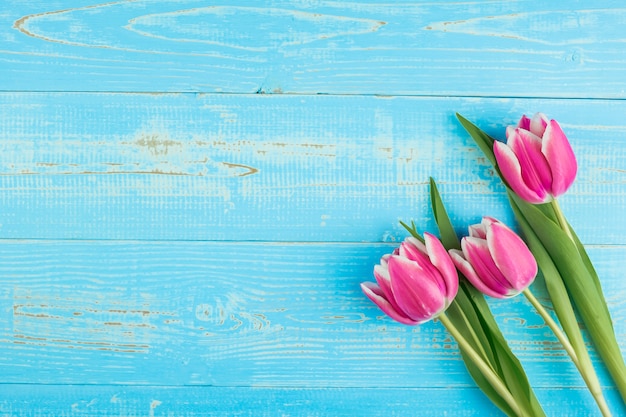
[[131, 401], [284, 168], [169, 252], [515, 49], [242, 314]]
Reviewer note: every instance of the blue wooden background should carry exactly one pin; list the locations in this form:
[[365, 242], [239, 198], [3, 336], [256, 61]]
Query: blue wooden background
[[192, 191]]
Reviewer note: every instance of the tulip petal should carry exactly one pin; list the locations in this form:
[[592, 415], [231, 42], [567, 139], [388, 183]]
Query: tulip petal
[[488, 221], [441, 260], [416, 292], [384, 259], [538, 124], [468, 272], [560, 157], [524, 122], [535, 169], [417, 251], [476, 251], [417, 243], [414, 250], [374, 293], [510, 130], [512, 173], [381, 273], [511, 256], [478, 230], [383, 279]]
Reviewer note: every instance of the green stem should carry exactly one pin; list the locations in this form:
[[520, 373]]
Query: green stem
[[485, 368], [561, 219], [586, 370], [552, 325]]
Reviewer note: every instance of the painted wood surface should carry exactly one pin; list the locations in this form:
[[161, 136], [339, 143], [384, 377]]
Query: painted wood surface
[[288, 318], [186, 313], [104, 401], [191, 193], [490, 48], [277, 168]]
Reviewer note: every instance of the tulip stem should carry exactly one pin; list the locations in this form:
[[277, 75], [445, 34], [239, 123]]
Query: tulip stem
[[552, 325], [586, 370], [561, 219], [493, 378]]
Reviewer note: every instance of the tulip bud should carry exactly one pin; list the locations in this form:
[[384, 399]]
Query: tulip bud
[[495, 260], [416, 283], [537, 161]]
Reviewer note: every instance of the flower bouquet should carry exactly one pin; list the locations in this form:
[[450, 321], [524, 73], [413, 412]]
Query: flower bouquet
[[448, 278]]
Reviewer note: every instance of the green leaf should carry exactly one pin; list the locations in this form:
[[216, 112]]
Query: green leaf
[[465, 314], [448, 236], [483, 140], [412, 229], [462, 313], [510, 367], [566, 257], [485, 386], [516, 378], [471, 315], [585, 258], [555, 286], [582, 288]]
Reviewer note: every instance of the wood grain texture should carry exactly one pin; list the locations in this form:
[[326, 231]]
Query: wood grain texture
[[283, 168], [241, 314], [495, 48], [132, 401]]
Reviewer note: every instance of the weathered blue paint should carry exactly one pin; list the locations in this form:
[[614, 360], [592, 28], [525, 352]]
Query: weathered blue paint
[[283, 168], [104, 401], [496, 48], [236, 314], [191, 192]]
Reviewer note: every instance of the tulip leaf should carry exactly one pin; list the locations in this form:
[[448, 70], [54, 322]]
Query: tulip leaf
[[510, 367], [560, 300], [585, 258], [582, 288], [502, 358], [555, 286], [412, 229], [464, 313], [566, 258], [485, 386], [448, 235], [517, 204], [461, 312], [471, 315], [483, 140]]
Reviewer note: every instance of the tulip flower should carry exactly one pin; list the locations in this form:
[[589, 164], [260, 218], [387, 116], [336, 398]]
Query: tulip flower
[[416, 283], [495, 259], [537, 161]]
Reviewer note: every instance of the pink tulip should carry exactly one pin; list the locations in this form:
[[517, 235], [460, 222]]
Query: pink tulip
[[537, 161], [495, 260], [416, 283]]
